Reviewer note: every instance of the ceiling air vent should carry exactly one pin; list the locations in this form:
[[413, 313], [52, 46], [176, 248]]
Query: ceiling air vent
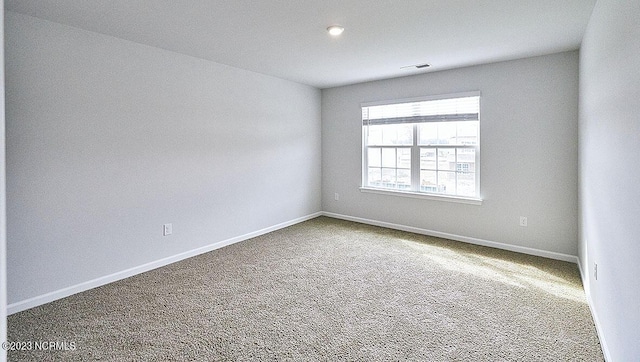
[[417, 66]]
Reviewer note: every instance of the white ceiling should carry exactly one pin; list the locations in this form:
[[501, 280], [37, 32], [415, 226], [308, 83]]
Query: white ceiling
[[288, 38]]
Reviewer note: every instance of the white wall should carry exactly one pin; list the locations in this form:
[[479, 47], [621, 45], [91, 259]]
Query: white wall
[[108, 139], [528, 153], [609, 173]]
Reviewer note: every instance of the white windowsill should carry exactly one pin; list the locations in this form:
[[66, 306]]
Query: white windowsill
[[419, 195]]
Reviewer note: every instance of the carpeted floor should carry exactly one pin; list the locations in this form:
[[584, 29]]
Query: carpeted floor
[[326, 290]]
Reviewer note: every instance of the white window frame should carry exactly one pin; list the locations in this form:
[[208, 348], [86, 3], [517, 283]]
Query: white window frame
[[415, 192]]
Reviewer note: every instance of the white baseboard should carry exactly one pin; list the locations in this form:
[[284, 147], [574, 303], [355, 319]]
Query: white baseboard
[[65, 292], [466, 239], [596, 320]]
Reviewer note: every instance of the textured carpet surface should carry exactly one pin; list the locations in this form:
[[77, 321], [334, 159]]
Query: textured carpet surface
[[326, 290]]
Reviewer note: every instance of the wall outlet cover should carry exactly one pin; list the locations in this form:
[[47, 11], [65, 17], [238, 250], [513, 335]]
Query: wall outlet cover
[[167, 229]]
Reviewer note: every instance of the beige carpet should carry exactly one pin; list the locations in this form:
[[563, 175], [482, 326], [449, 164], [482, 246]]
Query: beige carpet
[[327, 290]]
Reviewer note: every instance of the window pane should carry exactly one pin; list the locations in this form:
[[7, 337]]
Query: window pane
[[446, 159], [466, 184], [428, 159], [446, 133], [447, 182], [389, 157], [404, 179], [428, 133], [374, 135], [397, 134], [374, 157], [389, 177], [404, 158], [467, 133], [467, 156], [428, 181], [390, 134], [374, 177]]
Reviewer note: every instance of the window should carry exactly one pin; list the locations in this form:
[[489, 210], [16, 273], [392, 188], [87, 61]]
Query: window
[[423, 146]]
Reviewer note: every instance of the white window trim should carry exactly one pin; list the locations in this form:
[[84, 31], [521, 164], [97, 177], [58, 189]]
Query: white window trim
[[422, 195], [416, 194]]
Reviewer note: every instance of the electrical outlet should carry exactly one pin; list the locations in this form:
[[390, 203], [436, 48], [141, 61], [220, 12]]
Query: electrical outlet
[[167, 229], [336, 196], [523, 221], [595, 270]]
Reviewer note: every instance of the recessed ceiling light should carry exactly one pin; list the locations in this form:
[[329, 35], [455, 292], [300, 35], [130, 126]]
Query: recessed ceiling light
[[335, 30]]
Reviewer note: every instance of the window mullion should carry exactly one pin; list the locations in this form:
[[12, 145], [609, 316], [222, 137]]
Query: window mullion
[[456, 169], [415, 161], [437, 169]]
